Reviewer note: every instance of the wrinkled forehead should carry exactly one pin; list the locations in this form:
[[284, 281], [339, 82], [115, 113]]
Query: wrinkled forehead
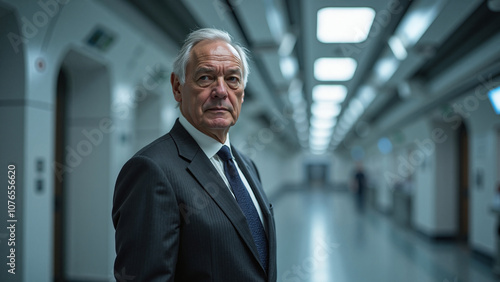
[[214, 50]]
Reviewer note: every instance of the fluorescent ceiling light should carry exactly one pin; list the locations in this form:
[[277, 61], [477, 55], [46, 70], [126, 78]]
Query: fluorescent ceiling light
[[334, 69], [299, 116], [275, 20], [287, 44], [417, 20], [319, 145], [494, 96], [344, 25], [299, 112], [349, 116], [325, 110], [320, 134], [385, 68], [321, 131], [296, 98], [329, 93], [123, 95], [296, 87], [288, 66], [356, 107], [366, 94], [397, 48], [319, 149], [323, 123], [318, 152]]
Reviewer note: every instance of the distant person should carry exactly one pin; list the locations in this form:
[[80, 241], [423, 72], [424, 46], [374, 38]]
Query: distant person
[[359, 185], [189, 206]]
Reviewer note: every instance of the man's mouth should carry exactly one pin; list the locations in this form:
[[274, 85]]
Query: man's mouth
[[218, 109]]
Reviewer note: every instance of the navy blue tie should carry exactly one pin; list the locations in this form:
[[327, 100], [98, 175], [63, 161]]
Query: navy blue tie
[[246, 204]]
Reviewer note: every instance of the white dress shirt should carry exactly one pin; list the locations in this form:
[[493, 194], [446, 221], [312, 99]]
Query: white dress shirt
[[210, 147]]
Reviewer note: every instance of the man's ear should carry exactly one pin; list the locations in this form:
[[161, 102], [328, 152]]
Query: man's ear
[[176, 87]]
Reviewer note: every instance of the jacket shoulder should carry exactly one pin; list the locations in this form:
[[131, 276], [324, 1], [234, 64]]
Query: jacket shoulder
[[159, 148]]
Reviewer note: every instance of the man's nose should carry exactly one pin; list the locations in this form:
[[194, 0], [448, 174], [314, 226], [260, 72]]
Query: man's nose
[[220, 89]]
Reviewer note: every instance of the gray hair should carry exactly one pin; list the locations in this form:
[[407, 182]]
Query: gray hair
[[181, 61]]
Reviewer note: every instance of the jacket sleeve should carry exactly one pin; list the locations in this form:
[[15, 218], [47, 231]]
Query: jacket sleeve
[[146, 219]]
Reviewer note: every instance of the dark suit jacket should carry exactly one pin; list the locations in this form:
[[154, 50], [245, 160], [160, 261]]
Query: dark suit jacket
[[176, 220]]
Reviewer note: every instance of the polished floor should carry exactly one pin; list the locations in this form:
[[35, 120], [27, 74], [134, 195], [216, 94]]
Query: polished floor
[[323, 236]]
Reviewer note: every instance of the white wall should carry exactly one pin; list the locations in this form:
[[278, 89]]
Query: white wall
[[86, 184], [341, 170], [425, 154], [423, 197], [277, 166], [483, 132], [13, 115], [154, 116], [435, 194], [49, 29]]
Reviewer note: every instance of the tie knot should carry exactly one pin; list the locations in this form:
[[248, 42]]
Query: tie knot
[[224, 153]]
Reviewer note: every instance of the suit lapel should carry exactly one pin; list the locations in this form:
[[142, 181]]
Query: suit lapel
[[205, 173]]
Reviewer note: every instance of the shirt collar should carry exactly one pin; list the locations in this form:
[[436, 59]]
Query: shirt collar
[[207, 144]]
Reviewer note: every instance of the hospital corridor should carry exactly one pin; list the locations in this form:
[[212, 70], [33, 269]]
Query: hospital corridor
[[250, 140]]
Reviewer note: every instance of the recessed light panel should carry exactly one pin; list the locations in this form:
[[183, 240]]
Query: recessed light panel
[[334, 69], [344, 25], [329, 93]]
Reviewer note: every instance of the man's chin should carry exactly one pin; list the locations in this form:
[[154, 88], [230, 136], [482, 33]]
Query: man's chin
[[219, 123]]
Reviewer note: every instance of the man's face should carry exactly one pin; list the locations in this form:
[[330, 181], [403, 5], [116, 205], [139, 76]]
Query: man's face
[[212, 94]]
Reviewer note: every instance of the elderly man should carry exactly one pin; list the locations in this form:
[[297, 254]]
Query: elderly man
[[189, 206]]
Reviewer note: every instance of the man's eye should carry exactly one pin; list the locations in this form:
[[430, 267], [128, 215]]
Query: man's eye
[[233, 79], [205, 80]]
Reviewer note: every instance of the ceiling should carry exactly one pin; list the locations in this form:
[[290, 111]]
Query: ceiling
[[278, 31]]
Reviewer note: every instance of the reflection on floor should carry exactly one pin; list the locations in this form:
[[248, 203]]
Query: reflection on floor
[[322, 236]]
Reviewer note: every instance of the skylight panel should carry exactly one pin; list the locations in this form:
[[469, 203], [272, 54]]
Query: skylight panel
[[344, 25]]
